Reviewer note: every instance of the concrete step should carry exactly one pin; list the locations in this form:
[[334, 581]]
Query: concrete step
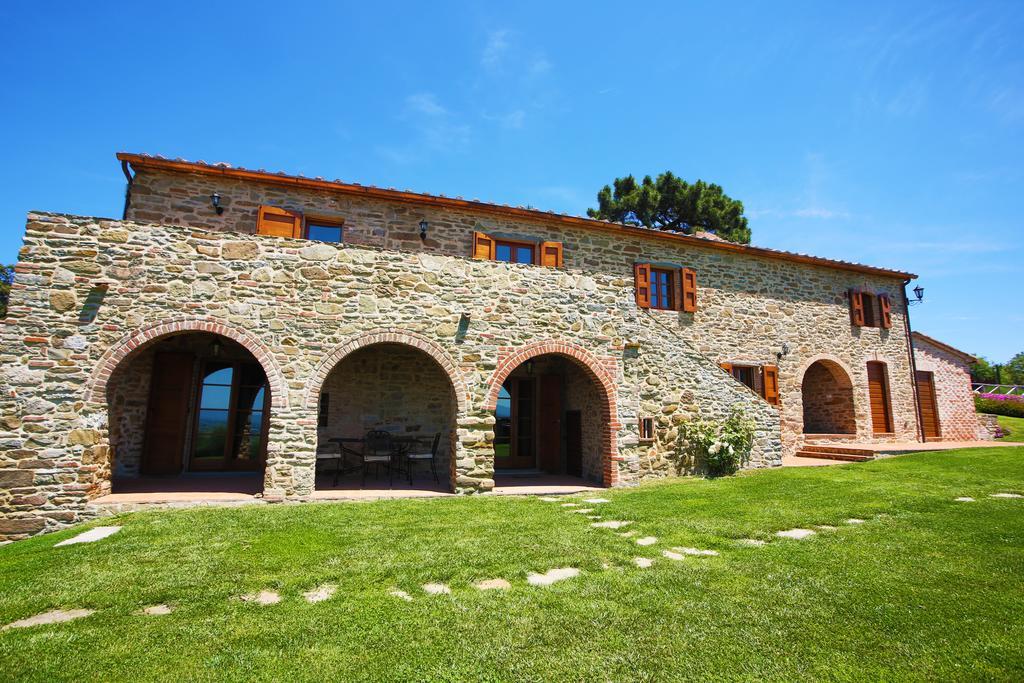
[[834, 455], [839, 449]]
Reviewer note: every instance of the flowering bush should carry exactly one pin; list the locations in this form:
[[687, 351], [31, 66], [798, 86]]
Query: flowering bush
[[719, 446], [1000, 404]]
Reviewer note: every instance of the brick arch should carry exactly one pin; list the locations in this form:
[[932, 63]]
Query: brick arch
[[601, 370], [829, 361], [827, 397], [388, 336], [144, 336]]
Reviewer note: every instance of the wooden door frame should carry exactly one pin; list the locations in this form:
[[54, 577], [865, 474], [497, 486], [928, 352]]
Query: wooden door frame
[[236, 379], [144, 465], [890, 426]]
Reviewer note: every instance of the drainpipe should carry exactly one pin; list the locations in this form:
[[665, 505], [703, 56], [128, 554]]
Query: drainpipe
[[913, 362], [127, 189]]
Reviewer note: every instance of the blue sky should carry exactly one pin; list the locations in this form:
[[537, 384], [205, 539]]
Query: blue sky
[[890, 135]]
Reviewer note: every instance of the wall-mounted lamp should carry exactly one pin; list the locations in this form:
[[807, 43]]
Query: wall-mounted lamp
[[423, 229], [529, 367], [215, 348], [215, 200], [919, 293], [783, 351]]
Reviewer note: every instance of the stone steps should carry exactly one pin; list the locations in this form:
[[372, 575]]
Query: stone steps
[[836, 453]]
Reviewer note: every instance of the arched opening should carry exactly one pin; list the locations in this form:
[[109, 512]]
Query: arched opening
[[552, 419], [381, 409], [828, 399], [188, 413]]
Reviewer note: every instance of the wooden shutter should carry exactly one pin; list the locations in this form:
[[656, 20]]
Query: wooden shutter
[[770, 384], [689, 288], [642, 277], [726, 366], [483, 246], [856, 308], [278, 222], [550, 254], [885, 307]]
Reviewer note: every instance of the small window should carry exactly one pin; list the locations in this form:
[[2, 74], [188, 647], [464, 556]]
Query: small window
[[513, 252], [647, 428], [323, 231], [662, 288], [869, 311], [744, 373], [325, 407]]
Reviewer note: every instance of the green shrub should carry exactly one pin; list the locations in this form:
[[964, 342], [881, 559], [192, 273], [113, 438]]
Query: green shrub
[[719, 446], [996, 407]]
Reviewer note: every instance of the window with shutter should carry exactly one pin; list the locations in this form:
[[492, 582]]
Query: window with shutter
[[885, 309], [770, 384], [726, 366], [277, 222], [642, 279], [689, 290], [551, 254], [647, 428], [483, 246], [856, 308]]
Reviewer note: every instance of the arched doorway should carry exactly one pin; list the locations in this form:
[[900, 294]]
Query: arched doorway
[[389, 387], [186, 406], [553, 417], [828, 399]]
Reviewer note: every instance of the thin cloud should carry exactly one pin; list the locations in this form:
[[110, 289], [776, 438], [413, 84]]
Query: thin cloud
[[425, 103], [820, 212], [495, 49]]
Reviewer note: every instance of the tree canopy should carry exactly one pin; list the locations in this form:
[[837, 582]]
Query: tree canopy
[[6, 278], [1011, 372], [671, 203]]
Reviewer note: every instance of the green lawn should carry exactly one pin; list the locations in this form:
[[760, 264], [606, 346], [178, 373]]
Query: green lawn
[[927, 588], [1013, 426]]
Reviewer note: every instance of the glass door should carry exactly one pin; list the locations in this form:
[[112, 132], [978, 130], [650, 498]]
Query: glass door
[[514, 426], [231, 421]]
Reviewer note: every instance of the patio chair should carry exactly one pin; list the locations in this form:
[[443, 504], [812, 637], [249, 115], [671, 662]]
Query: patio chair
[[414, 457], [378, 450]]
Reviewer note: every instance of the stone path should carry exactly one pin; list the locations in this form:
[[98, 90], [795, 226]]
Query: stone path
[[436, 589], [552, 576], [1005, 495], [610, 524], [854, 520], [672, 555], [492, 584], [964, 499], [752, 542], [646, 540], [55, 616], [90, 536], [595, 501], [400, 594], [798, 534], [320, 593], [157, 610], [263, 598], [697, 551], [643, 562]]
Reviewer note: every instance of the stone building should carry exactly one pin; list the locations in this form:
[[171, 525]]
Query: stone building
[[944, 391], [238, 321]]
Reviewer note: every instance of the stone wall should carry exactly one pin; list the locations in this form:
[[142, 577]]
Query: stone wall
[[89, 293], [748, 306], [953, 393]]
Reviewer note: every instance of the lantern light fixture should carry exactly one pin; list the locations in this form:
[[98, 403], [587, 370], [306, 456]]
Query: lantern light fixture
[[215, 200], [423, 229]]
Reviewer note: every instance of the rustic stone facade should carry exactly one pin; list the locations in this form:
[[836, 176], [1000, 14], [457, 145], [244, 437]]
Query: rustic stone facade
[[93, 296], [951, 370]]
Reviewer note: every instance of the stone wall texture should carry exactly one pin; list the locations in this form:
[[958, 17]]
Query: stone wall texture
[[954, 397], [91, 294]]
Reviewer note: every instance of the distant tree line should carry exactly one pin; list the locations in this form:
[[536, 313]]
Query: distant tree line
[[1011, 372], [6, 278]]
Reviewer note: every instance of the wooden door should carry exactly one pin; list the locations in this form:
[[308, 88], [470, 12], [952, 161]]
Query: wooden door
[[574, 443], [167, 413], [878, 388], [514, 430], [929, 406], [549, 427]]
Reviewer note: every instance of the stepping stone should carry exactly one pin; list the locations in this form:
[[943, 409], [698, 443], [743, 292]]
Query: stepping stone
[[646, 540], [825, 527], [395, 592], [552, 575], [672, 555], [263, 598], [610, 524], [595, 501], [583, 511], [964, 499], [854, 520], [752, 542], [320, 593], [157, 610], [798, 534], [570, 505], [643, 562], [55, 616], [593, 516], [1006, 495], [436, 589], [90, 536], [626, 534], [696, 551], [492, 584], [549, 499]]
